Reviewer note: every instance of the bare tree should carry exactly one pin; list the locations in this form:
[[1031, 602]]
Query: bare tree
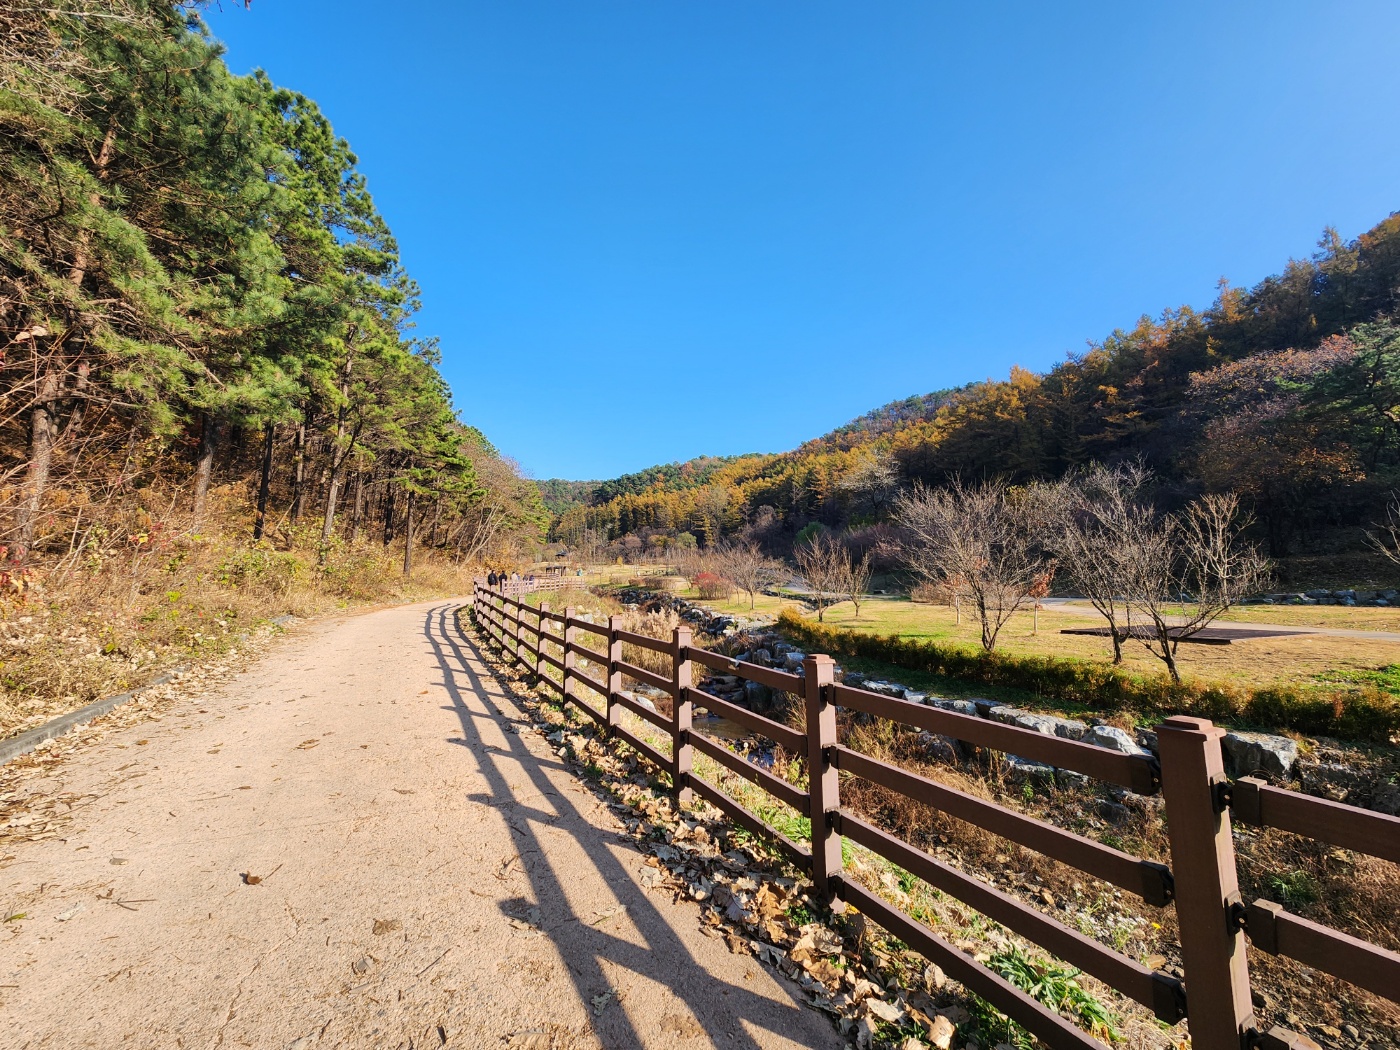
[[747, 567], [871, 483], [824, 564], [1194, 562], [1099, 515], [1386, 535], [857, 577], [985, 541]]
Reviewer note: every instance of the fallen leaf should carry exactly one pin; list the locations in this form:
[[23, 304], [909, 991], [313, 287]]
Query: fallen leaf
[[249, 879], [70, 912], [307, 745], [383, 926], [600, 1002]]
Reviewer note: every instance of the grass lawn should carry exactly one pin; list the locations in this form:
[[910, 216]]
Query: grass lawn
[[1294, 660]]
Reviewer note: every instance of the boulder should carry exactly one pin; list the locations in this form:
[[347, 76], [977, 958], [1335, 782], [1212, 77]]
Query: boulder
[[943, 748], [985, 706], [792, 660], [893, 689], [915, 698], [1050, 725], [1147, 740], [1247, 753], [1114, 739], [1018, 768], [762, 657], [1115, 812], [757, 696], [1331, 780], [962, 707]]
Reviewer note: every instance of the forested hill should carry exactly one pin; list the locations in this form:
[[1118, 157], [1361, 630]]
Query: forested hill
[[1287, 392], [198, 295]]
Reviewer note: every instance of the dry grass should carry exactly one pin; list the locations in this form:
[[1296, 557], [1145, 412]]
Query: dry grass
[[139, 600], [1254, 662]]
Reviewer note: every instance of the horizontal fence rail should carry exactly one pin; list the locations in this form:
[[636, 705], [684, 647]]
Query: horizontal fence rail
[[1201, 881]]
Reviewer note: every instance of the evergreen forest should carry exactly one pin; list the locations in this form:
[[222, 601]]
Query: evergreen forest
[[204, 319]]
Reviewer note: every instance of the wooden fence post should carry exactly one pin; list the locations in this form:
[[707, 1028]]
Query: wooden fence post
[[1206, 886], [681, 677], [818, 673], [570, 632], [614, 672], [540, 665]]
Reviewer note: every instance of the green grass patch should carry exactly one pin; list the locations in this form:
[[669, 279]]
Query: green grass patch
[[1363, 712]]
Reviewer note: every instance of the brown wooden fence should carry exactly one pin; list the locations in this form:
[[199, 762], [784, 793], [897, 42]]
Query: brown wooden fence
[[1201, 882]]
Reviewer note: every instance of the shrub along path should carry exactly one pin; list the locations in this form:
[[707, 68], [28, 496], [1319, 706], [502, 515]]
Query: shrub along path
[[353, 844]]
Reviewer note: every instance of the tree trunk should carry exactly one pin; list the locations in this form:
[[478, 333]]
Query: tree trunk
[[359, 513], [264, 483], [43, 426], [299, 473], [36, 483], [332, 493], [388, 513], [408, 536], [204, 467]]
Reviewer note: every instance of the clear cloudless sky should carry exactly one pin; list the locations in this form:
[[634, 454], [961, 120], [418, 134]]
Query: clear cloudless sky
[[649, 231]]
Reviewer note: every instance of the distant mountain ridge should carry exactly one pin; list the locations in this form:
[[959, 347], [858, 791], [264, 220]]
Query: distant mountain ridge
[[1287, 393]]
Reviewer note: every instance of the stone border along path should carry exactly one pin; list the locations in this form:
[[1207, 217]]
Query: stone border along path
[[23, 743], [357, 842]]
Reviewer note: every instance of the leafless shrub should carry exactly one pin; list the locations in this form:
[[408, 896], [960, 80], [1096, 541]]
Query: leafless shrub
[[987, 542], [825, 566], [1385, 537], [749, 568], [1181, 572]]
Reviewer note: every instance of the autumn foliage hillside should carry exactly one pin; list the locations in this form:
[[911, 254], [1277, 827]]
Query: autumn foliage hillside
[[1287, 393]]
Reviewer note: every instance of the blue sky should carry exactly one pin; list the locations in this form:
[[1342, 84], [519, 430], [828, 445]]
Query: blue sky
[[649, 231]]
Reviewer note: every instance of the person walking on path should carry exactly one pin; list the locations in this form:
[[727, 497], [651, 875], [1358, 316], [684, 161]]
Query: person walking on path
[[491, 579]]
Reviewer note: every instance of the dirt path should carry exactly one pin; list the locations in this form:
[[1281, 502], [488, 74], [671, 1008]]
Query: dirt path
[[418, 874]]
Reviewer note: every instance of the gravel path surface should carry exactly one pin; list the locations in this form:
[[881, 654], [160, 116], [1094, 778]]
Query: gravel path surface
[[350, 844]]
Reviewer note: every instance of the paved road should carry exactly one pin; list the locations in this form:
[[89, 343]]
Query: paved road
[[400, 835]]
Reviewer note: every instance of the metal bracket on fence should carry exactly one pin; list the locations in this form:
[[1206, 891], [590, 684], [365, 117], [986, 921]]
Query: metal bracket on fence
[[1236, 914], [1222, 794], [829, 755], [1168, 997], [1161, 890]]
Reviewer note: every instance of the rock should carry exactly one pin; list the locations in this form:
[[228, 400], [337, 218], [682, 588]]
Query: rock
[[855, 679], [1147, 739], [985, 706], [1387, 800], [792, 660], [1050, 725], [762, 657], [757, 695], [1114, 739], [962, 707], [893, 689], [943, 748], [1018, 768], [1115, 812], [915, 698], [1331, 780], [1247, 753]]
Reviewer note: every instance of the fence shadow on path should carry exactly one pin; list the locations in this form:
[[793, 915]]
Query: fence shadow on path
[[728, 1012]]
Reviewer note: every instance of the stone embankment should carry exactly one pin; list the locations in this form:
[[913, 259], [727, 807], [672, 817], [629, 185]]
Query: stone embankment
[[1325, 768], [1322, 596]]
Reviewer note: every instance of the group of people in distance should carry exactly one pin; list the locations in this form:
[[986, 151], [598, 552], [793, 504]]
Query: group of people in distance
[[504, 580]]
